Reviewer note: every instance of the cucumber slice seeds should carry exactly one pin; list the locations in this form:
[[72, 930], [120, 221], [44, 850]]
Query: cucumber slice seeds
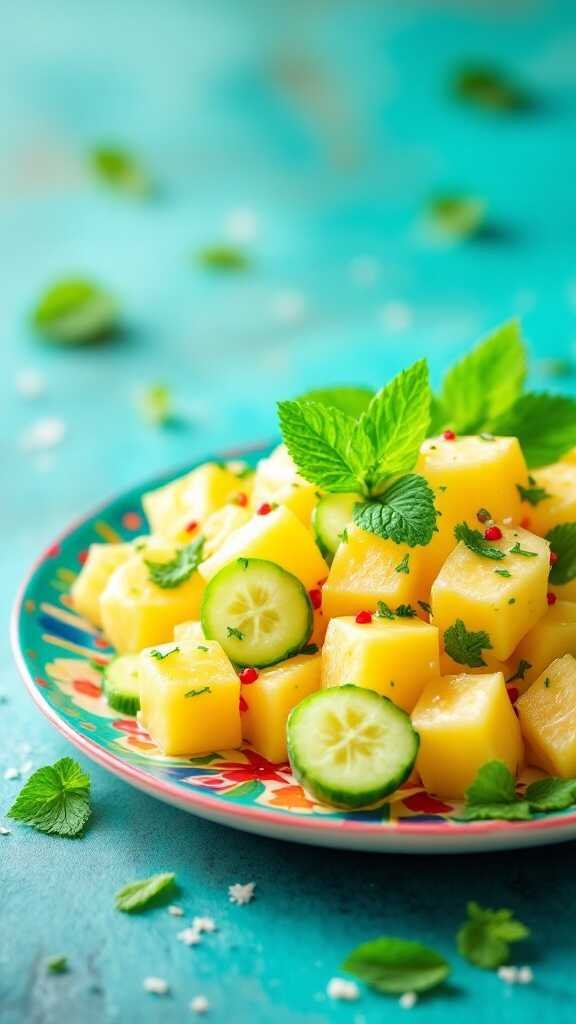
[[349, 746]]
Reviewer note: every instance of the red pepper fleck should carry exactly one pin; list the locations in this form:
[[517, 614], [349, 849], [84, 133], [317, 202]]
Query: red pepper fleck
[[512, 693], [315, 599], [264, 510], [551, 598], [363, 618], [249, 675], [82, 556], [242, 704], [191, 526], [241, 499], [553, 558], [492, 533], [525, 523], [449, 435], [132, 520]]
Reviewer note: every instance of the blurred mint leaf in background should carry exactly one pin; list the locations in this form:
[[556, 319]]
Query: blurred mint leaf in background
[[544, 424], [121, 170], [75, 311], [223, 257], [489, 87], [156, 404], [484, 939], [456, 215]]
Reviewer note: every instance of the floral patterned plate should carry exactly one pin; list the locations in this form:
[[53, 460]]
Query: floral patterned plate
[[59, 656]]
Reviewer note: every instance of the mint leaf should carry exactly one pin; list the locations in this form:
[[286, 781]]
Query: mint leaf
[[396, 423], [138, 895], [523, 667], [168, 575], [489, 87], [57, 964], [319, 440], [486, 381], [551, 794], [404, 565], [397, 965], [466, 647], [223, 257], [352, 401], [562, 540], [405, 611], [544, 424], [484, 939], [474, 540], [533, 495], [493, 795], [383, 611], [121, 170], [55, 799], [459, 216], [75, 311], [405, 513]]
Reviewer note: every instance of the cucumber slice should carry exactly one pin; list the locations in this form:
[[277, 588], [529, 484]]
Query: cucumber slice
[[121, 684], [258, 612], [332, 515], [349, 746]]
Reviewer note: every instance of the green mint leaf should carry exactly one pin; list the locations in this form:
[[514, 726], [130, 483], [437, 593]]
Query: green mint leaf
[[223, 257], [198, 692], [120, 170], [458, 216], [318, 438], [490, 88], [161, 655], [405, 513], [138, 895], [533, 495], [231, 631], [474, 540], [156, 404], [523, 667], [75, 311], [486, 381], [518, 550], [168, 575], [57, 964], [484, 939], [493, 795], [562, 540], [466, 647], [404, 565], [55, 799], [397, 965], [544, 424], [551, 794], [396, 423], [352, 401]]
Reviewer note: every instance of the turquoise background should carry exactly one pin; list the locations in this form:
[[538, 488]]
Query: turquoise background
[[331, 122]]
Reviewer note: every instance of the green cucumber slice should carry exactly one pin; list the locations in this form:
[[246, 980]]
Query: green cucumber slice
[[258, 612], [349, 746], [331, 516], [121, 683]]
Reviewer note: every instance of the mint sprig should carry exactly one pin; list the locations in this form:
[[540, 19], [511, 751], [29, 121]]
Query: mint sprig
[[485, 937], [562, 540], [397, 965], [405, 513], [55, 799], [474, 541], [465, 646], [168, 575], [493, 795]]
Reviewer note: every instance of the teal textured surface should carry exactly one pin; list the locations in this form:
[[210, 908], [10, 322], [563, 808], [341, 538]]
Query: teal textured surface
[[330, 122]]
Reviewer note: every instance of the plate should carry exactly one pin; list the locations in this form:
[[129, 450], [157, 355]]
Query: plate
[[58, 655]]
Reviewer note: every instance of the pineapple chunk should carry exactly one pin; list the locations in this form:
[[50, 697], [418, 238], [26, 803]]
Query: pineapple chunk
[[395, 657], [279, 537], [564, 591], [91, 581], [470, 588], [277, 481], [269, 701], [221, 524], [559, 481], [468, 474], [548, 718], [189, 500], [463, 722], [189, 632], [449, 667], [551, 637], [367, 569], [189, 698], [137, 613]]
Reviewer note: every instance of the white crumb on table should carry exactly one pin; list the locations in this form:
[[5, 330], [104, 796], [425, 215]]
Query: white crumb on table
[[204, 924], [341, 988], [199, 1004], [189, 936], [241, 894], [508, 974], [408, 1000], [156, 985], [11, 773], [525, 975], [175, 911], [5, 831], [42, 434]]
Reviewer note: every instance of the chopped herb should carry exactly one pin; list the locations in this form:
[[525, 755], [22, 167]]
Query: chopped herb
[[120, 170], [138, 895], [517, 550], [511, 600], [475, 542], [168, 575], [562, 540], [547, 682], [202, 647], [442, 487], [57, 965], [405, 611], [489, 87], [156, 404], [503, 572], [383, 611], [425, 607], [533, 495], [404, 566], [484, 436], [223, 257], [523, 668], [343, 536], [493, 795], [199, 692], [397, 965], [237, 634], [243, 562], [75, 311], [161, 655], [464, 646], [484, 939], [309, 649], [55, 799]]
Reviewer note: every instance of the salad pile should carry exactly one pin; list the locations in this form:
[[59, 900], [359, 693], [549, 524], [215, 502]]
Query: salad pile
[[391, 593]]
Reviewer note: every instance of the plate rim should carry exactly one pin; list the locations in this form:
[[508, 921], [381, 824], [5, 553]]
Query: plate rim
[[212, 806]]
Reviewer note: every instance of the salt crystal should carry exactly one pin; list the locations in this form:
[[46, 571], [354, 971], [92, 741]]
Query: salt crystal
[[156, 985], [189, 936], [44, 433], [199, 1004], [525, 975], [175, 911], [204, 924], [341, 988], [11, 773], [5, 831], [508, 974], [241, 894], [408, 1000]]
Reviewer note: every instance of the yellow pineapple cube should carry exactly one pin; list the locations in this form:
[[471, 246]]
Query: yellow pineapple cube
[[466, 475], [551, 637], [268, 702], [559, 481], [189, 632], [548, 718], [564, 591], [91, 581], [449, 667], [368, 569], [395, 657], [279, 537], [189, 698], [471, 589], [277, 481], [221, 524], [464, 721], [174, 508], [137, 613]]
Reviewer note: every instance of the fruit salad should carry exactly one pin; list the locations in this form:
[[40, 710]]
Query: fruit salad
[[389, 594]]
